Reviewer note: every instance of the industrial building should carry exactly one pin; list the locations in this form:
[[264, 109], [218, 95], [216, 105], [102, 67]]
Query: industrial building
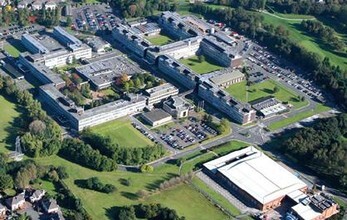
[[177, 107], [103, 72], [156, 117], [268, 106], [98, 45], [57, 49], [246, 173], [225, 78], [160, 93]]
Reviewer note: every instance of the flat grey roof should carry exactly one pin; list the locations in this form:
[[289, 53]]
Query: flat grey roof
[[156, 115], [226, 75]]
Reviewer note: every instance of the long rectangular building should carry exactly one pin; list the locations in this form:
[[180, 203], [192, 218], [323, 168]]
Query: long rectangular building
[[80, 119], [177, 71], [240, 112], [254, 176], [160, 93]]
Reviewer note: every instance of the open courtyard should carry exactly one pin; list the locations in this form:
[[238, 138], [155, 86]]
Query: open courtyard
[[160, 39], [201, 66], [264, 89], [122, 133]]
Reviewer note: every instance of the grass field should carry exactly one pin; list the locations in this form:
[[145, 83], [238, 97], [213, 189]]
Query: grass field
[[160, 39], [205, 66], [309, 42], [8, 114], [298, 117], [263, 89], [122, 133], [11, 50], [183, 198]]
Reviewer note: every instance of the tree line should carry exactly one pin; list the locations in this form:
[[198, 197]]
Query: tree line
[[149, 212], [41, 134], [77, 151], [322, 147], [94, 183], [137, 8], [327, 34], [120, 154], [330, 77]]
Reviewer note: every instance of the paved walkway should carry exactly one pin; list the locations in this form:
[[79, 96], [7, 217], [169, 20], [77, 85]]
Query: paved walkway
[[226, 194]]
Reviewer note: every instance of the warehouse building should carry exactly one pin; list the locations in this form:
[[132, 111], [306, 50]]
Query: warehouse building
[[156, 117], [268, 106], [246, 173], [225, 78]]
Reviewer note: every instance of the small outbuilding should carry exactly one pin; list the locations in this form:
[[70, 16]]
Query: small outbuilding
[[156, 117]]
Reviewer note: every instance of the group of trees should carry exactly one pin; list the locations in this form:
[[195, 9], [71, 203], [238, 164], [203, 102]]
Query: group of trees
[[327, 34], [94, 183], [322, 147], [48, 17], [150, 212], [248, 4], [221, 127], [42, 135], [137, 8], [337, 9], [119, 154], [138, 82], [76, 151], [10, 16], [277, 40]]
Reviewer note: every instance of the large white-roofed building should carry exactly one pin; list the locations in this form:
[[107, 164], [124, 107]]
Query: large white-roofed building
[[260, 180]]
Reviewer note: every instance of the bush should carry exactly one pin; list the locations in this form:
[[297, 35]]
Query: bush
[[94, 183], [146, 168]]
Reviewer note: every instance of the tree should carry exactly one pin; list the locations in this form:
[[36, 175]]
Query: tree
[[37, 127], [146, 168], [68, 21], [127, 213], [201, 58], [276, 89], [142, 193], [6, 182]]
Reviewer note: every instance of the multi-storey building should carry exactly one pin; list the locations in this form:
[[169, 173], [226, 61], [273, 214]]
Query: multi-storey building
[[177, 71], [220, 52], [178, 50], [160, 93], [125, 35], [240, 112]]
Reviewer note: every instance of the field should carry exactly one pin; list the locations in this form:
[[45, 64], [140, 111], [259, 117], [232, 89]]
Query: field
[[298, 117], [180, 198], [120, 131], [11, 50], [160, 39], [292, 24], [263, 89], [14, 47], [8, 114], [203, 67], [184, 198]]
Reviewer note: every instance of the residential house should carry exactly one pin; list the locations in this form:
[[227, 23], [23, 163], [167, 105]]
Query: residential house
[[16, 202], [37, 195]]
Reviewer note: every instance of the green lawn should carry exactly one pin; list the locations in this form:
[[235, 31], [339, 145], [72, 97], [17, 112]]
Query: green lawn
[[291, 120], [263, 89], [205, 66], [188, 202], [98, 205], [8, 114], [11, 50], [122, 133], [309, 42], [160, 39]]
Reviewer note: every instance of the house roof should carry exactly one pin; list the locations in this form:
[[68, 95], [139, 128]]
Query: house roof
[[16, 199], [52, 204], [38, 193], [2, 207]]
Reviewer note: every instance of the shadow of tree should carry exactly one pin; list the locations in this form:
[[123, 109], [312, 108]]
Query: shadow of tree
[[129, 195]]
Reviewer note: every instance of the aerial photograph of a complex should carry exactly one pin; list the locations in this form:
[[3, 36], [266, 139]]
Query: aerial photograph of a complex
[[173, 109]]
